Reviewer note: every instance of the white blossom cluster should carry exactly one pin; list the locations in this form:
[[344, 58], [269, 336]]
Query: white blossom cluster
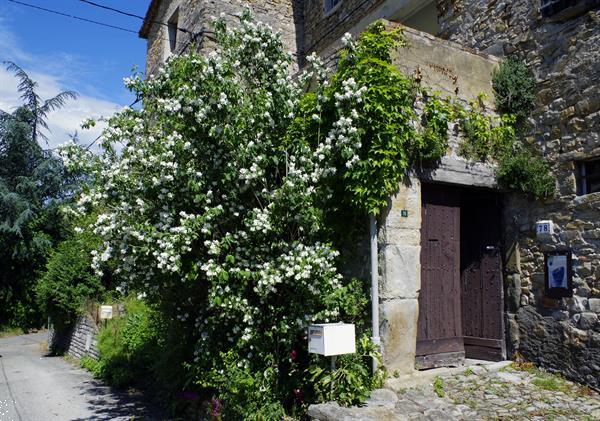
[[209, 201]]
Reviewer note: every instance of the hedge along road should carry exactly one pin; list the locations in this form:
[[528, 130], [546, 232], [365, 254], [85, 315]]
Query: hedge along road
[[37, 387]]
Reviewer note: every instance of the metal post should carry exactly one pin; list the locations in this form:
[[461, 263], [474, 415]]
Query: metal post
[[374, 286], [333, 358]]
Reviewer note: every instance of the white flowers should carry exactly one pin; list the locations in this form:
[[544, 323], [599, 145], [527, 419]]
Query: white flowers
[[346, 39], [210, 200]]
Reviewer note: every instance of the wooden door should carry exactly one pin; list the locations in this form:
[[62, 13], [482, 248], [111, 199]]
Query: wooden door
[[439, 337], [482, 301]]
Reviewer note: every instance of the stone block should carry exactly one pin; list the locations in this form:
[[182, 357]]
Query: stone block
[[560, 315], [513, 258], [575, 304], [393, 235], [513, 291], [382, 397], [401, 272], [594, 304], [588, 320], [407, 198], [399, 320]]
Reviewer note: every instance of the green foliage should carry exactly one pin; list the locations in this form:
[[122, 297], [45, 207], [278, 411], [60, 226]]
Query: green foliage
[[10, 331], [128, 345], [487, 138], [523, 171], [92, 365], [246, 393], [352, 381], [33, 183], [432, 144], [438, 386], [69, 280], [514, 88], [389, 141]]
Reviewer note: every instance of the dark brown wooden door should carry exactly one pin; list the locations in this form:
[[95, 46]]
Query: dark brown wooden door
[[439, 338], [481, 276]]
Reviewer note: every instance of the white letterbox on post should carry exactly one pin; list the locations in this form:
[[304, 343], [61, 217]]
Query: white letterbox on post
[[331, 339]]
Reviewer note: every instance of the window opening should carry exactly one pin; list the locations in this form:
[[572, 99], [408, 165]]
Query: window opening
[[565, 9], [588, 177], [329, 5], [173, 24]]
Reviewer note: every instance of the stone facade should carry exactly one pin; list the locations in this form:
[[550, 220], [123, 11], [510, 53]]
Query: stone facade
[[564, 54], [565, 57], [79, 342], [285, 16]]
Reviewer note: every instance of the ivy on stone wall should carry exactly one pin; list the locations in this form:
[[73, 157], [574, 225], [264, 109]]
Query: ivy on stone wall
[[400, 124], [393, 134]]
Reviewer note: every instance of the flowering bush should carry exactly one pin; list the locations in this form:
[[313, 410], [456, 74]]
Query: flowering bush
[[213, 208]]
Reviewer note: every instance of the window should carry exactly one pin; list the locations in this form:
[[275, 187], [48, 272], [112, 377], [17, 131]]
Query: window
[[588, 176], [173, 24], [329, 5], [566, 9]]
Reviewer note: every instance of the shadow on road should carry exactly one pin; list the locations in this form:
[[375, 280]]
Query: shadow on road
[[107, 403]]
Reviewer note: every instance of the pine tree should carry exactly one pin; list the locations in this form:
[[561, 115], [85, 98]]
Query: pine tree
[[32, 183]]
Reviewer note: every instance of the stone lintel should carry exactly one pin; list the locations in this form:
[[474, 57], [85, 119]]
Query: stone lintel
[[454, 170]]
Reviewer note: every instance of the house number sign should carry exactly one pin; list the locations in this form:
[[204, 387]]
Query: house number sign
[[544, 228]]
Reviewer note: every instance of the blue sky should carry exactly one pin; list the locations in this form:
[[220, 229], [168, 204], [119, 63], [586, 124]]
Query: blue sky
[[63, 53]]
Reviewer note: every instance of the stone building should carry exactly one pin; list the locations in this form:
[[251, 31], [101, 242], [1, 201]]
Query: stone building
[[463, 270]]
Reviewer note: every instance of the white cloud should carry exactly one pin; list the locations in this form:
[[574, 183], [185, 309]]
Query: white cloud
[[61, 122], [64, 121]]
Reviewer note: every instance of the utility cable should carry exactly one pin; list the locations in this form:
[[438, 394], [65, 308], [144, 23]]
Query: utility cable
[[73, 16], [142, 18], [102, 6]]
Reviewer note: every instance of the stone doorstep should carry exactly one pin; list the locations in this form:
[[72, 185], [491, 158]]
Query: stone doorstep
[[426, 377]]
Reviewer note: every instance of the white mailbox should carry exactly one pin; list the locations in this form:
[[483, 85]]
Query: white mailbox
[[544, 228], [331, 339], [106, 312]]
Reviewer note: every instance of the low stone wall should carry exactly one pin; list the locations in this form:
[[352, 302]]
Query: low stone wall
[[557, 345], [79, 342]]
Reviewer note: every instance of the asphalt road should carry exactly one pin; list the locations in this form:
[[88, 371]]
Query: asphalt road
[[37, 387]]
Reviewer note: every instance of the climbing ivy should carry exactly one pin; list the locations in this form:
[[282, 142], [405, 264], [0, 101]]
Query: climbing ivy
[[399, 124], [486, 137], [386, 119]]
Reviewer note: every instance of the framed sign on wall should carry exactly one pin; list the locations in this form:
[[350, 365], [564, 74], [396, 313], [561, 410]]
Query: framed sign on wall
[[558, 266]]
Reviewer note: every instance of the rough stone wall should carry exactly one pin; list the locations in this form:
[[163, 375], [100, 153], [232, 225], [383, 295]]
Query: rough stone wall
[[565, 57], [285, 16], [79, 342], [322, 29]]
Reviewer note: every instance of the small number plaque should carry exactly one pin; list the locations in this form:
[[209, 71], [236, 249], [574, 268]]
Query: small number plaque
[[544, 228]]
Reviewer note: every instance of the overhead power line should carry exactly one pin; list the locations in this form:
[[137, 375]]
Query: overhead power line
[[112, 9], [133, 15], [73, 16]]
